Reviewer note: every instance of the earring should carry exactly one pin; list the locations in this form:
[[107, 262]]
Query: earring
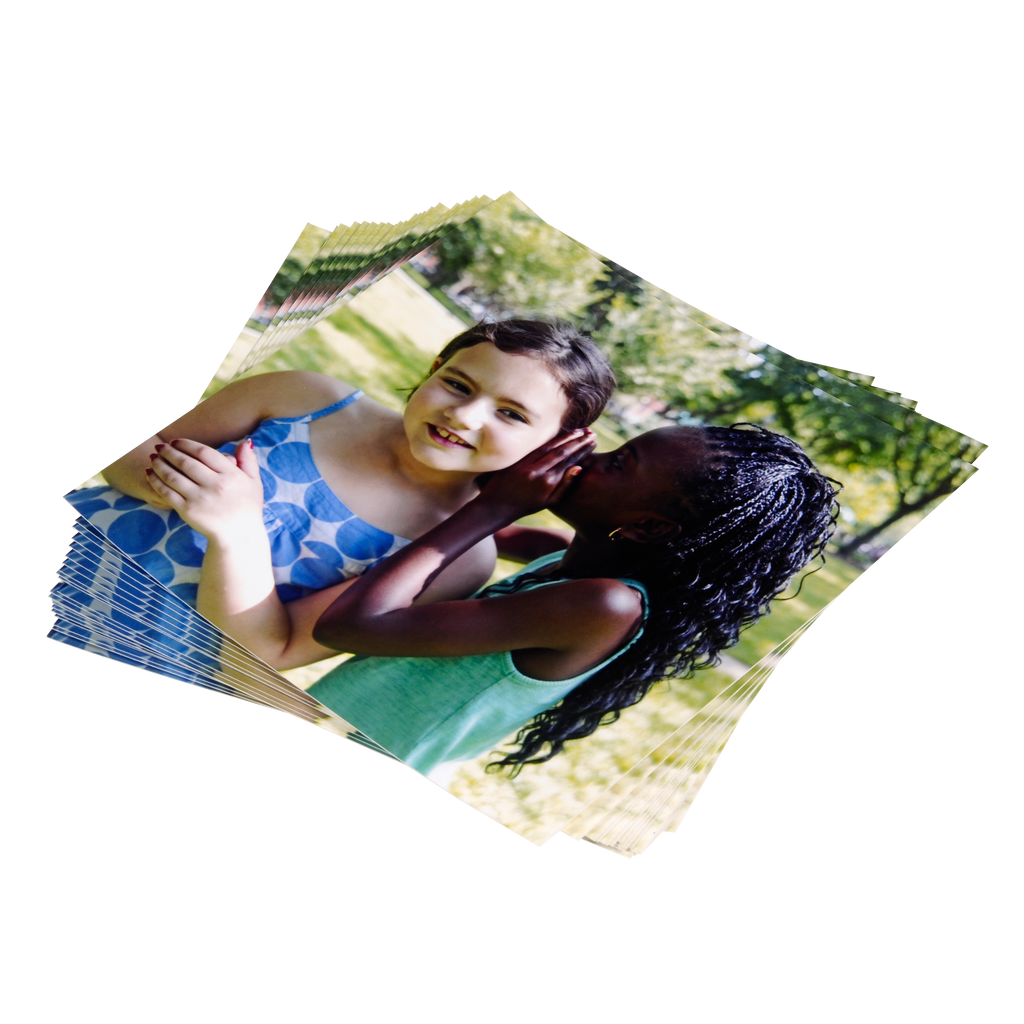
[[616, 534]]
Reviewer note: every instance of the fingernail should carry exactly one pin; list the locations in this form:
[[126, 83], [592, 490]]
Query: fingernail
[[251, 445], [159, 446], [154, 456], [150, 472]]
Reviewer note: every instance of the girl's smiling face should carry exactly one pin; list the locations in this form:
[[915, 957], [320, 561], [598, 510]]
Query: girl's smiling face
[[483, 410]]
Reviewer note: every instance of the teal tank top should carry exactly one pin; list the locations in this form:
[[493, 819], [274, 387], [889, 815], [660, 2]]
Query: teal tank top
[[427, 711]]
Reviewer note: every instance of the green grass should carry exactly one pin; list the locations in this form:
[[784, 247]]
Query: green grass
[[310, 352], [401, 364], [787, 615], [439, 294], [398, 365]]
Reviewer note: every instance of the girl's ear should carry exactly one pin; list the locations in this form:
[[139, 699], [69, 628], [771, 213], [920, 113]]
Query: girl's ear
[[436, 365], [652, 530]]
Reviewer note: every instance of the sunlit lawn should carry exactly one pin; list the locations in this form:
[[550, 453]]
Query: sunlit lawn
[[787, 615]]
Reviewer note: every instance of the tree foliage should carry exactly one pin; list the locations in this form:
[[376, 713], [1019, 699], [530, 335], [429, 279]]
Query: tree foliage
[[655, 347], [516, 262], [922, 461], [897, 462]]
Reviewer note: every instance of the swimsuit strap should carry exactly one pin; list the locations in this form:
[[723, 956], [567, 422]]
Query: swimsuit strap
[[347, 400], [308, 417]]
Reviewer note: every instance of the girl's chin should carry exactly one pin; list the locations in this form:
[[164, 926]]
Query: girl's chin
[[456, 460]]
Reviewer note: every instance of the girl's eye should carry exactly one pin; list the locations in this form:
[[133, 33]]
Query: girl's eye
[[456, 385], [518, 417]]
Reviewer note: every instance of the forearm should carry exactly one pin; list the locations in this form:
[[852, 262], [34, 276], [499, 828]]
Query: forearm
[[398, 581], [128, 473], [237, 594]]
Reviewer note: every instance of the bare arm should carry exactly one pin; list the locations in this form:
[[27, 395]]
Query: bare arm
[[288, 641], [282, 634], [232, 413], [222, 498], [376, 615]]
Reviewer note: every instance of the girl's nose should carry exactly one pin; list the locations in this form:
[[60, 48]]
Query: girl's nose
[[466, 415]]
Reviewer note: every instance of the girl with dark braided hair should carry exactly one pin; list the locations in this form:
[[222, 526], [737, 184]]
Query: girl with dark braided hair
[[683, 536]]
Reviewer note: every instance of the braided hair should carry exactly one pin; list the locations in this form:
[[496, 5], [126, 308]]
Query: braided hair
[[754, 512]]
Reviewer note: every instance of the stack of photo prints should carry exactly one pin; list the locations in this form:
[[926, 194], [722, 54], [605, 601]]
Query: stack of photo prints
[[472, 495]]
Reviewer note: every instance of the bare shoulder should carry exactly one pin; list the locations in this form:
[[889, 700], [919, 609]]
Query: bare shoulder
[[291, 392], [238, 408], [605, 601]]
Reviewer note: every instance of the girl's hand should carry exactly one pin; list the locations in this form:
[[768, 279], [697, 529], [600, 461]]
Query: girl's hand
[[217, 495], [541, 478]]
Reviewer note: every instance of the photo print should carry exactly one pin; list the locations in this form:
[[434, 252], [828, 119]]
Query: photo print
[[477, 497]]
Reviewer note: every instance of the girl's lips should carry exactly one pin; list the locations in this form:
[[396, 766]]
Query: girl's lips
[[447, 438]]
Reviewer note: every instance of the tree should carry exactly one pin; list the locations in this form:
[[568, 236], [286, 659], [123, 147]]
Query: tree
[[923, 475], [656, 348], [924, 460], [517, 264]]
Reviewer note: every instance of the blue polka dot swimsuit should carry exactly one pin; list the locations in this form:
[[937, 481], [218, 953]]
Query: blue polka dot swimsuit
[[316, 541], [128, 585]]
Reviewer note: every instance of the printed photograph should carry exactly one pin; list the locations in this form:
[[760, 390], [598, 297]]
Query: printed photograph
[[475, 496]]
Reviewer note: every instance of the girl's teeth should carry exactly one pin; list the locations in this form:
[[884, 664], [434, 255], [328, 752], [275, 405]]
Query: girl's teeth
[[449, 436]]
